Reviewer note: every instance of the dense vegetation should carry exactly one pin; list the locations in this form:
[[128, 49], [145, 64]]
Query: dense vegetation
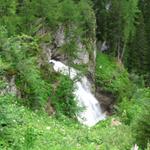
[[41, 111], [124, 26]]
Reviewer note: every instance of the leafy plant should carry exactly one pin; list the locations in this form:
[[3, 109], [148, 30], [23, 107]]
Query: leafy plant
[[63, 97], [136, 113], [22, 54], [112, 76]]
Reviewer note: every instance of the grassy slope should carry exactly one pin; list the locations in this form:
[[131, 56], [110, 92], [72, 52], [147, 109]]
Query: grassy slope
[[111, 76], [23, 129], [28, 130]]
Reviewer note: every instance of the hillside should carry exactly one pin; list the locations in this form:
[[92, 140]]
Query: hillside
[[74, 74]]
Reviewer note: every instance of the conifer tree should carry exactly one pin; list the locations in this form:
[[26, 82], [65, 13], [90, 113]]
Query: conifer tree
[[138, 50], [129, 13], [145, 6]]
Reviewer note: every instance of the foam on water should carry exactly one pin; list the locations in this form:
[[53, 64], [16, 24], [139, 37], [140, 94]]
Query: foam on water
[[92, 112]]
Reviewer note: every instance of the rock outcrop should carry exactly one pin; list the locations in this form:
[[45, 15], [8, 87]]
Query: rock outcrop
[[51, 48], [106, 99], [10, 87]]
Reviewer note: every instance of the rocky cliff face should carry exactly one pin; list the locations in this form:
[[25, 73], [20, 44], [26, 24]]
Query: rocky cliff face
[[51, 49]]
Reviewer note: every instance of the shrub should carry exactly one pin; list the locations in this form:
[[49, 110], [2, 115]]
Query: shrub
[[136, 113], [63, 97], [30, 137], [10, 118], [141, 123], [8, 17], [142, 127], [23, 129], [21, 53], [111, 76]]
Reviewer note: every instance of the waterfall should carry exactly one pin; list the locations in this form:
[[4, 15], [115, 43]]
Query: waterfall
[[92, 112]]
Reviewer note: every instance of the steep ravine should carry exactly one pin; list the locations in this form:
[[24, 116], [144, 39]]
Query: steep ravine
[[51, 51], [92, 112]]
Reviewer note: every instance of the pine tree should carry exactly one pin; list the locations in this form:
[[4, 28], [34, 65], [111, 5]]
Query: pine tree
[[116, 24], [102, 18], [130, 12], [138, 50]]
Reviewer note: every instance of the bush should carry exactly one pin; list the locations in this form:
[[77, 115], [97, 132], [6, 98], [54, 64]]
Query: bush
[[8, 15], [131, 108], [111, 76], [63, 97], [136, 113], [23, 129], [21, 53], [142, 127], [10, 118], [141, 123]]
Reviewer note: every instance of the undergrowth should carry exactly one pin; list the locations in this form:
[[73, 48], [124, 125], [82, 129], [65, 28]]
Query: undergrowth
[[21, 128]]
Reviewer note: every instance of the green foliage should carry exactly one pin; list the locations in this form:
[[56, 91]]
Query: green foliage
[[69, 49], [138, 51], [146, 13], [21, 16], [32, 85], [125, 18], [23, 129], [21, 54], [140, 123], [63, 98], [16, 132], [30, 137], [7, 7], [87, 19], [8, 16], [10, 118], [53, 13], [111, 76], [131, 108], [71, 17], [3, 67], [130, 13], [142, 130], [116, 138], [136, 113]]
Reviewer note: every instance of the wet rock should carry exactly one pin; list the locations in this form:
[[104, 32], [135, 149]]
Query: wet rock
[[106, 100]]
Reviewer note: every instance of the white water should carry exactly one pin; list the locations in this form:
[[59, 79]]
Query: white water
[[92, 112]]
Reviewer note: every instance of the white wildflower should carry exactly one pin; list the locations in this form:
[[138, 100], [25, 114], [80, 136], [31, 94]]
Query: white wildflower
[[100, 67], [48, 128]]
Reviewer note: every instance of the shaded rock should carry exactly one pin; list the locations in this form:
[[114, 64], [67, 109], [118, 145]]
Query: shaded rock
[[106, 100], [10, 87], [82, 55], [47, 51], [49, 108], [60, 36]]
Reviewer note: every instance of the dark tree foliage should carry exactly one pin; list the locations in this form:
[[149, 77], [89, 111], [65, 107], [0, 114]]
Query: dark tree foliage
[[138, 50], [125, 26]]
